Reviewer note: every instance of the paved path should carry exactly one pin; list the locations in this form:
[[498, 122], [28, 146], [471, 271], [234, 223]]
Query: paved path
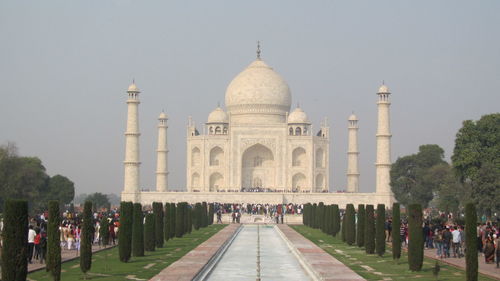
[[320, 262], [189, 265], [486, 269], [66, 255]]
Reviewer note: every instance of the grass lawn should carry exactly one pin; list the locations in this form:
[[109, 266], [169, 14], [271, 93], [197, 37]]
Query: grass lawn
[[106, 265], [373, 267]]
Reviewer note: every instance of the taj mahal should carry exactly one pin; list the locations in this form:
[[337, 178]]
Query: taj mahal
[[257, 150]]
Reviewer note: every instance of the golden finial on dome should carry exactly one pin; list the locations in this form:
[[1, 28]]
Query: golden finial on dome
[[258, 50]]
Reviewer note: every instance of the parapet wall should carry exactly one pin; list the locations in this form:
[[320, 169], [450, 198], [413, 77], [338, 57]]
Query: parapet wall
[[147, 198]]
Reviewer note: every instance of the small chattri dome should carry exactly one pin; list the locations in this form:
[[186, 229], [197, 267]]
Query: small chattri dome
[[217, 116], [383, 89], [133, 88], [298, 116], [163, 115], [353, 117]]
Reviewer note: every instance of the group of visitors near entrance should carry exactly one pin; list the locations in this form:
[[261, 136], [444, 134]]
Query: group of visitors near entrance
[[70, 231], [449, 239], [274, 211]]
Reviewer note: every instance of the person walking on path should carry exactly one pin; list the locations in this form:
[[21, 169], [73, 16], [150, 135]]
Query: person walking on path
[[31, 243], [456, 242]]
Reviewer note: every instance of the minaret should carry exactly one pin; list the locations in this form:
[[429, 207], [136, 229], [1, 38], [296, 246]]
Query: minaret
[[383, 163], [352, 155], [132, 164], [162, 153]]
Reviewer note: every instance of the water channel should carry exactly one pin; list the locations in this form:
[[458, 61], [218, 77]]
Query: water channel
[[258, 252]]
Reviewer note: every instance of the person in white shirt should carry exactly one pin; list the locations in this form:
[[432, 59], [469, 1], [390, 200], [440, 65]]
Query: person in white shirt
[[456, 242], [31, 243]]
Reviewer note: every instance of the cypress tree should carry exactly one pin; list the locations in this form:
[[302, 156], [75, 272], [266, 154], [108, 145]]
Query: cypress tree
[[54, 241], [179, 220], [197, 216], [104, 231], [189, 218], [343, 228], [125, 232], [396, 225], [360, 231], [158, 213], [321, 216], [350, 234], [415, 238], [305, 214], [328, 219], [138, 231], [380, 230], [336, 219], [314, 216], [471, 264], [149, 233], [204, 214], [173, 216], [211, 214], [369, 230], [332, 226], [86, 238], [166, 222], [15, 237]]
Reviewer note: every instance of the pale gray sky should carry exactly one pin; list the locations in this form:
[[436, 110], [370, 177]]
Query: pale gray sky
[[65, 66]]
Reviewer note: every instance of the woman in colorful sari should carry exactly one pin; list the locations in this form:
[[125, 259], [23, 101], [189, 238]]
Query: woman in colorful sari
[[489, 250]]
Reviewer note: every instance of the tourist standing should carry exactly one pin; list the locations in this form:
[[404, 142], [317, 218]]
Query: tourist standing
[[456, 242], [31, 243]]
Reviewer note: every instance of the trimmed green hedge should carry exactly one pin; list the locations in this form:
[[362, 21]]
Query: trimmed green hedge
[[415, 238], [149, 233], [369, 230], [471, 263], [336, 219], [396, 225], [350, 223], [138, 231], [54, 241], [380, 230], [15, 237], [86, 238], [158, 213], [360, 231], [125, 232]]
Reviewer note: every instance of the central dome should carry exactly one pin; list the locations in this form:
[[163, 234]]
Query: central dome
[[259, 93]]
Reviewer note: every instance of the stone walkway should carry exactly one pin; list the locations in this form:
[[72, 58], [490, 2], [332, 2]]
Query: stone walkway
[[189, 265], [66, 255], [487, 269], [325, 266]]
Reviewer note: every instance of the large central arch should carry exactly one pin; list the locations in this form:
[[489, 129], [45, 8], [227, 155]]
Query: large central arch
[[258, 167]]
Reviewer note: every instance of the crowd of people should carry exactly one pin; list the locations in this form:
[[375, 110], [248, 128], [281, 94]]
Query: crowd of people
[[70, 231], [449, 239]]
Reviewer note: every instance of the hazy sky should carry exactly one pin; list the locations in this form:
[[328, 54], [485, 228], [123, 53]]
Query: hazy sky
[[65, 67]]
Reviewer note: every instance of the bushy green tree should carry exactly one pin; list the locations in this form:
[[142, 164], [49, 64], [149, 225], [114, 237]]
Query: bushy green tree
[[396, 225], [471, 263], [380, 230], [99, 201], [125, 232], [350, 234], [408, 175], [54, 241], [360, 231], [336, 219], [149, 233], [476, 160], [14, 241], [138, 231], [415, 238], [158, 212], [86, 238], [370, 230], [104, 231]]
